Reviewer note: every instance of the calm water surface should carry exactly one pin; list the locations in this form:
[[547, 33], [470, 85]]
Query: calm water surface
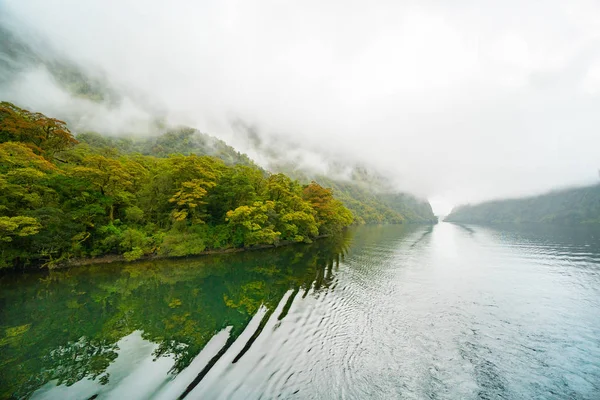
[[390, 312]]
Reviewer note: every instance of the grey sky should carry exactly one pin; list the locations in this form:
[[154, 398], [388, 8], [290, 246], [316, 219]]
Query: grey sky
[[457, 101]]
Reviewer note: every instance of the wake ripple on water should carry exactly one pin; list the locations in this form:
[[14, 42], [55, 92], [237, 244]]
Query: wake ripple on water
[[450, 313]]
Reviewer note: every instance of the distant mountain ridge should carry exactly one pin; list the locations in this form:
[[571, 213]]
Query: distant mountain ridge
[[579, 205]]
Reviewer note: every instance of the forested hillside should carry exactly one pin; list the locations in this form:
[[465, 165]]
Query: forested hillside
[[373, 205], [569, 206], [61, 198], [363, 193], [367, 195]]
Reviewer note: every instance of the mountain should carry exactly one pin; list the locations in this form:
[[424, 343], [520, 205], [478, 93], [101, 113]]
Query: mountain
[[363, 192], [373, 204], [98, 103], [367, 193], [62, 198], [568, 206]]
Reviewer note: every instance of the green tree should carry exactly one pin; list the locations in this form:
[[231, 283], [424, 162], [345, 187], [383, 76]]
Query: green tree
[[110, 177], [21, 226], [251, 225]]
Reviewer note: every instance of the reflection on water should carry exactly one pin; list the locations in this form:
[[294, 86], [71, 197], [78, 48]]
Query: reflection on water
[[383, 312], [95, 327]]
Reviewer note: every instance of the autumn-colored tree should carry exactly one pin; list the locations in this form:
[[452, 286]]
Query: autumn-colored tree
[[46, 136], [331, 215]]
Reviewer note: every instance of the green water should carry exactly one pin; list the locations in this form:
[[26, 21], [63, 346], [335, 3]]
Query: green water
[[447, 312], [64, 326]]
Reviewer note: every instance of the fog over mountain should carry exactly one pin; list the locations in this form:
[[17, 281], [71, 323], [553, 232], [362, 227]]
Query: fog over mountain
[[455, 101]]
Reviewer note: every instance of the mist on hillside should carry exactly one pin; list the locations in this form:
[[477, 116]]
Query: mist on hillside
[[457, 103]]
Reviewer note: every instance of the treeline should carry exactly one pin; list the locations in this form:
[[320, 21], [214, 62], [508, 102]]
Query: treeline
[[570, 206], [61, 198]]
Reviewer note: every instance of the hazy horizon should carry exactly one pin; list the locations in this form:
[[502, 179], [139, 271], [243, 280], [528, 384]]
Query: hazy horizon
[[457, 103]]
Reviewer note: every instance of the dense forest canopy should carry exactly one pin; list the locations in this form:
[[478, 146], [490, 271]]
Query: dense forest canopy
[[178, 194], [569, 206], [63, 198], [363, 193]]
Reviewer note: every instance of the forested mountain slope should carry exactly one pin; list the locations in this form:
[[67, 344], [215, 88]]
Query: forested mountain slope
[[177, 194], [363, 193], [372, 204], [569, 206], [367, 195], [18, 55], [60, 198]]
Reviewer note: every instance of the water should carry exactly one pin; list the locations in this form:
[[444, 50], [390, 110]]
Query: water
[[443, 312]]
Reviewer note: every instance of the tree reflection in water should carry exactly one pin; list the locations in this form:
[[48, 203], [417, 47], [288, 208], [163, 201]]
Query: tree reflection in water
[[65, 325]]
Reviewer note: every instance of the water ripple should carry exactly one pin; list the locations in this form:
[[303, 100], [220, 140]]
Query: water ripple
[[442, 314]]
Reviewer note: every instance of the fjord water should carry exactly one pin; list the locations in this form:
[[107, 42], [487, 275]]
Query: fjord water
[[440, 312]]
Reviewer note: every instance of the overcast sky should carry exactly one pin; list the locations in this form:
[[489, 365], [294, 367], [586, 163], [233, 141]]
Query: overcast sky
[[459, 101]]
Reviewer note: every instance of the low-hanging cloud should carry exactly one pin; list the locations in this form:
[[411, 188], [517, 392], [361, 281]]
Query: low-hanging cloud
[[457, 101]]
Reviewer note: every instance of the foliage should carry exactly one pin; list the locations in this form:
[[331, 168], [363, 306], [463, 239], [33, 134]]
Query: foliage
[[184, 141], [45, 136], [251, 225], [331, 213], [370, 203], [17, 226], [98, 199], [365, 195]]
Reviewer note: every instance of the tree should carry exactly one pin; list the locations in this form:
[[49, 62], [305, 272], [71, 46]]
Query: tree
[[188, 199], [294, 217], [11, 227], [193, 176], [101, 198], [331, 215], [236, 187], [108, 176], [17, 155], [251, 226], [45, 136]]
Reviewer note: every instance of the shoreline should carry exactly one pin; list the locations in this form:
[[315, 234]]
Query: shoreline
[[119, 258], [111, 258]]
